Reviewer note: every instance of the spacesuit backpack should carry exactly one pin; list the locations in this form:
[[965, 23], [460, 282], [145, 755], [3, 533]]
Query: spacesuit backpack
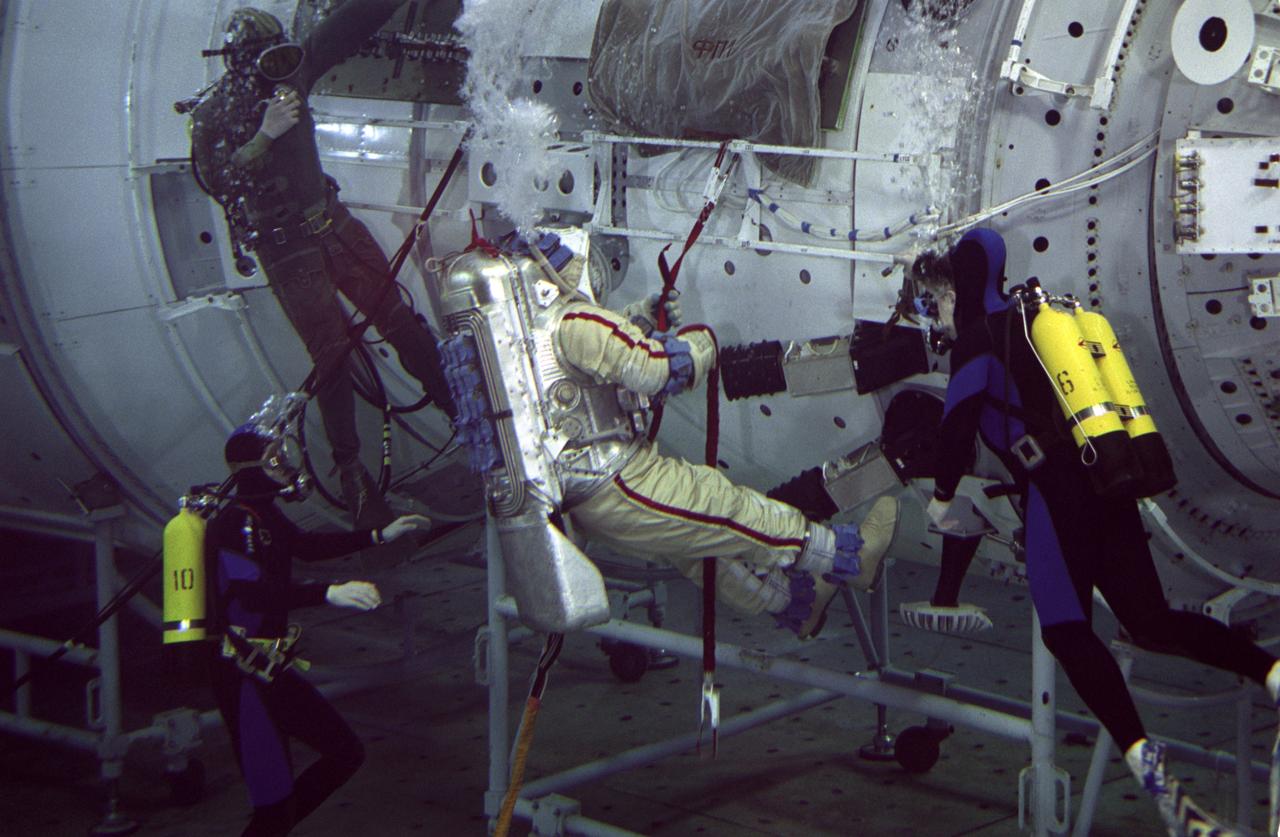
[[539, 432]]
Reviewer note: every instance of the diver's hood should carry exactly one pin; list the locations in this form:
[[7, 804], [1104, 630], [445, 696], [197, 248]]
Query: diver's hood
[[977, 265]]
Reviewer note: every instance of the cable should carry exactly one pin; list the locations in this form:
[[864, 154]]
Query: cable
[[885, 233], [1100, 173]]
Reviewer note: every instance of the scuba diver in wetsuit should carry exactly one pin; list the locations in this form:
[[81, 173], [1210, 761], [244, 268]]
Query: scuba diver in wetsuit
[[254, 150], [248, 551], [1076, 539]]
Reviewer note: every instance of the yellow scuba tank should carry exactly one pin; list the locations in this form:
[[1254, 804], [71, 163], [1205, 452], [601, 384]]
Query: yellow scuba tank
[[1148, 445], [184, 578], [1084, 399]]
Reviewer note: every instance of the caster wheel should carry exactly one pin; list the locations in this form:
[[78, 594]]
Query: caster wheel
[[186, 786], [917, 749], [628, 662]]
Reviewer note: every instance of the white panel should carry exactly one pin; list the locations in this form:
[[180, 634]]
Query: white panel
[[1234, 213], [75, 237], [131, 386], [886, 193], [1051, 48], [557, 29], [66, 81], [37, 453], [166, 69]]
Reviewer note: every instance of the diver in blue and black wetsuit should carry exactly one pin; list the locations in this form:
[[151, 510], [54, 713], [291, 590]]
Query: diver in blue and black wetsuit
[[249, 549], [1075, 540]]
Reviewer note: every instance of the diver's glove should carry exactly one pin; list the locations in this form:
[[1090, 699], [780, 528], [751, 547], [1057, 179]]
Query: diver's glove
[[643, 313], [361, 595], [937, 512], [402, 524]]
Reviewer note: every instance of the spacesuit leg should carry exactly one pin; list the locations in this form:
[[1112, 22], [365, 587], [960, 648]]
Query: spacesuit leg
[[675, 511], [739, 585], [659, 505], [362, 273]]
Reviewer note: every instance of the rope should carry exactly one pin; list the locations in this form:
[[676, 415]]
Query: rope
[[524, 741]]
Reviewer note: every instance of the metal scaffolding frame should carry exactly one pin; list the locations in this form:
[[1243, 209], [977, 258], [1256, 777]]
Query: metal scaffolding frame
[[1043, 788]]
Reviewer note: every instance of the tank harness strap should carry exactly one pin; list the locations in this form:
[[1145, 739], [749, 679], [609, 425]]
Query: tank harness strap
[[263, 657]]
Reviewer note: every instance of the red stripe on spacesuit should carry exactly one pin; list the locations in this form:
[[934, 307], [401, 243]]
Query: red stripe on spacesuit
[[767, 540], [616, 332]]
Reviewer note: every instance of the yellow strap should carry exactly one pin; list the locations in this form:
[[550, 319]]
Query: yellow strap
[[523, 745]]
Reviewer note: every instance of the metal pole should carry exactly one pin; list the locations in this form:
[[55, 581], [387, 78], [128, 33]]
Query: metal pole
[[649, 753], [1042, 777], [22, 698], [113, 744], [1244, 782], [108, 645], [499, 732], [866, 687]]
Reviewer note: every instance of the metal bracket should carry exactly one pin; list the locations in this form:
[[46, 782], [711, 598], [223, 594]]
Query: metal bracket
[[550, 813], [863, 474], [93, 714], [480, 655], [181, 731], [817, 366], [1221, 605], [1019, 73], [569, 187], [224, 301], [1061, 800], [1263, 72], [1264, 297], [1103, 88]]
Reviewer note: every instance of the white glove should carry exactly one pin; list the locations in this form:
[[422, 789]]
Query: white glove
[[644, 313], [283, 112], [405, 523], [937, 511], [361, 595]]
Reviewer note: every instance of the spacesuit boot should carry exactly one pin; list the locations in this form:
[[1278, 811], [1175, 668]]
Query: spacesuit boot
[[824, 592], [843, 554], [876, 530], [1182, 817], [368, 509]]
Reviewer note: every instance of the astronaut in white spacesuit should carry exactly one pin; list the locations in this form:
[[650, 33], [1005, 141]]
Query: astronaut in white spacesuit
[[553, 393]]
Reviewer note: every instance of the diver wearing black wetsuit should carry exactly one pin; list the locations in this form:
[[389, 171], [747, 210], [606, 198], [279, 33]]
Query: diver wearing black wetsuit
[[1075, 540], [249, 549], [308, 243]]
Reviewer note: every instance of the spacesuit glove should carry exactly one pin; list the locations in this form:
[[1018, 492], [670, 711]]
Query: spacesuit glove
[[405, 523], [937, 512], [643, 313], [362, 595], [680, 363]]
